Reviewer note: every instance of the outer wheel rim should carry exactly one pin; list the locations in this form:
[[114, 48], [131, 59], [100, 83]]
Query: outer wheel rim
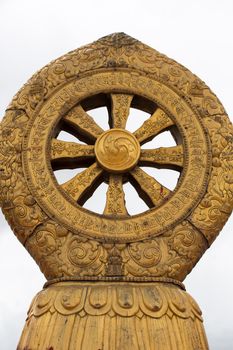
[[115, 237]]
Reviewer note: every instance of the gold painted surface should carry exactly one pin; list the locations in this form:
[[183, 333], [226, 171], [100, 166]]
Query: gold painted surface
[[70, 242], [119, 316], [117, 150], [189, 190]]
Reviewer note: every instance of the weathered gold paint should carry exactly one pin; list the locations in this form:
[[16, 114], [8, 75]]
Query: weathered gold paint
[[115, 279]]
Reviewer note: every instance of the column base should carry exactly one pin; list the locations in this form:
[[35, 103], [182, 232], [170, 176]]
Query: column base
[[113, 316]]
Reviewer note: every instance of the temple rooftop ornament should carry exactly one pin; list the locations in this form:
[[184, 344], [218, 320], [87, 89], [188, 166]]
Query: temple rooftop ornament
[[114, 280]]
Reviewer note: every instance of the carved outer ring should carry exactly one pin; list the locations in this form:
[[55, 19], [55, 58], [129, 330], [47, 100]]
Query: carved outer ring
[[38, 172], [27, 215]]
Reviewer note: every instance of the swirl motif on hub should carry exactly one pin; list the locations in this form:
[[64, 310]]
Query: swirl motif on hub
[[117, 150]]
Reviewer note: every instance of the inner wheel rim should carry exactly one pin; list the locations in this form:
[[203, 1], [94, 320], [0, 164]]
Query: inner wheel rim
[[116, 152]]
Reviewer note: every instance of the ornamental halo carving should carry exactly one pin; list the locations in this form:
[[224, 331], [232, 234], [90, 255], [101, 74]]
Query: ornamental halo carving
[[66, 239]]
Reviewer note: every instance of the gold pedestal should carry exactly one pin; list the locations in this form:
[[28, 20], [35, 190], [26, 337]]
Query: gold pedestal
[[113, 316]]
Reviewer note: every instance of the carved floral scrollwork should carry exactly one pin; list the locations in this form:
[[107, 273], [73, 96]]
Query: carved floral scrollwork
[[216, 206], [172, 255], [82, 254], [17, 203], [185, 247], [118, 50], [145, 254], [60, 254], [61, 251]]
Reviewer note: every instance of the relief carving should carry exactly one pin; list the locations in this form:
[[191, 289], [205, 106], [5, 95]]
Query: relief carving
[[66, 240], [83, 253]]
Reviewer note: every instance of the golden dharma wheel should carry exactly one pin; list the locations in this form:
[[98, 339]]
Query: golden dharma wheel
[[115, 279]]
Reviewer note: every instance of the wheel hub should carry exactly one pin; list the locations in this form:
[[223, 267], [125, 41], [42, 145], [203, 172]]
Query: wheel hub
[[117, 150]]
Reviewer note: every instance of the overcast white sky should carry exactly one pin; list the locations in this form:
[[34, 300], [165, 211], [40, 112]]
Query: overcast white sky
[[197, 34]]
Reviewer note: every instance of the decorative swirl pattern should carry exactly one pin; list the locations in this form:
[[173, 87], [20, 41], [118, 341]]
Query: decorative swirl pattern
[[82, 253], [70, 242], [160, 242], [117, 150], [145, 254]]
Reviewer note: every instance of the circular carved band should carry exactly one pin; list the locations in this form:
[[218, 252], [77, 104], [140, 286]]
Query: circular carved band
[[50, 196], [116, 279]]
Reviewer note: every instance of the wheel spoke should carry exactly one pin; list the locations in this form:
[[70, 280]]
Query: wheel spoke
[[153, 126], [120, 109], [171, 157], [82, 183], [115, 197], [150, 190], [83, 123], [62, 150]]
